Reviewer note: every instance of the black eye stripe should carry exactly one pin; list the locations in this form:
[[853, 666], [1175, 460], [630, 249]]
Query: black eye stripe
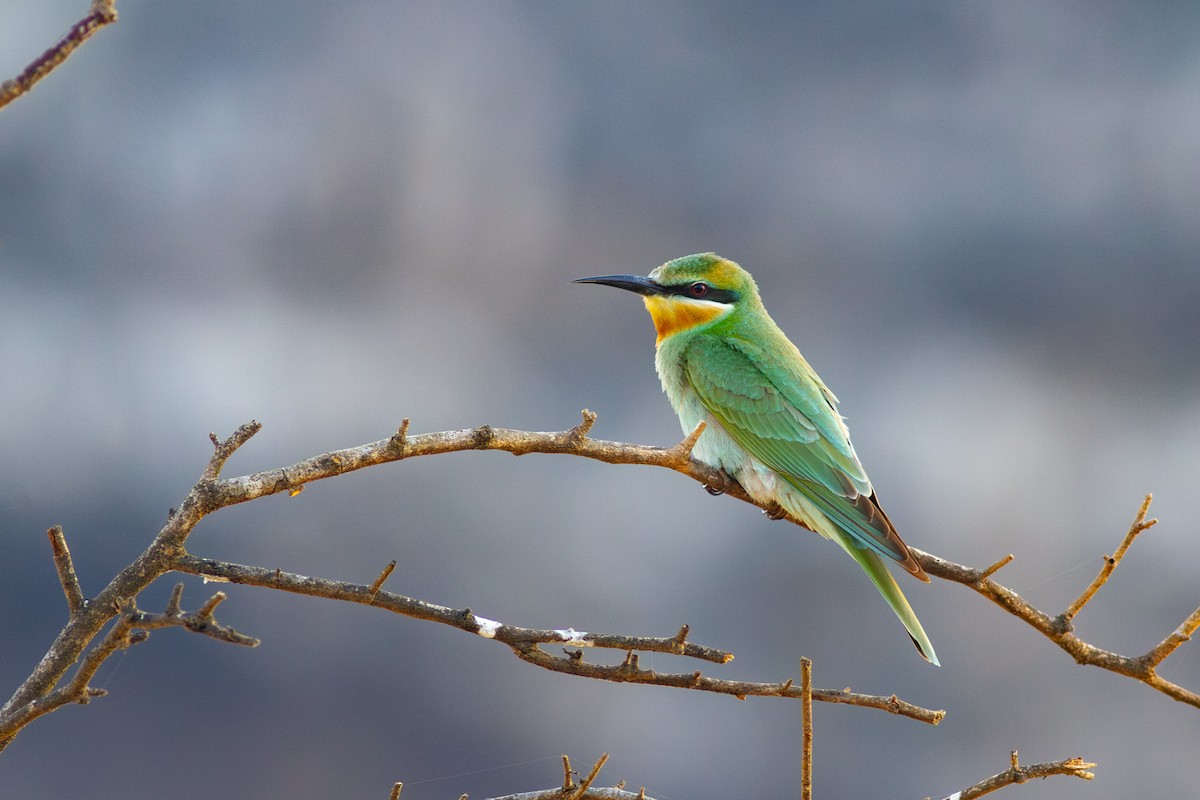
[[714, 294]]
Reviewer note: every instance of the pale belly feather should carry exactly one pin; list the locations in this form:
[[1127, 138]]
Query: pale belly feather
[[717, 448]]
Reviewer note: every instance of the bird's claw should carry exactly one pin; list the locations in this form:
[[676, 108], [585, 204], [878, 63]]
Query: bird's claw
[[776, 511], [715, 491]]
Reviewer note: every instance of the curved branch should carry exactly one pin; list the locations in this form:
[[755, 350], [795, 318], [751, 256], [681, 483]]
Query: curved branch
[[678, 458], [132, 627], [1076, 767], [1060, 629], [211, 493], [527, 643]]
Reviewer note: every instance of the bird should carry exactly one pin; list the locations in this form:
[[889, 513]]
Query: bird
[[771, 423]]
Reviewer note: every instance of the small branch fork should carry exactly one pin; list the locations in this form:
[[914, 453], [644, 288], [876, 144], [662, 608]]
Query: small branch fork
[[1076, 767], [527, 643], [1060, 629], [132, 627], [101, 13], [167, 552], [583, 790]]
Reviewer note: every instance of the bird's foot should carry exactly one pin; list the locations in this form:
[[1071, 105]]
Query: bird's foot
[[776, 511], [715, 491]]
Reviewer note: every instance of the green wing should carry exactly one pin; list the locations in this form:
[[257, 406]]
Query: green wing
[[781, 413]]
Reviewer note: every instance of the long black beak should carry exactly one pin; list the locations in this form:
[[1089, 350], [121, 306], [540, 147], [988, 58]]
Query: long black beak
[[632, 283]]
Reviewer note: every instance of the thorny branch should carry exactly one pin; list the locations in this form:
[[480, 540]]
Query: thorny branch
[[211, 493], [101, 13], [132, 627], [577, 442], [1060, 629], [581, 791], [527, 643], [167, 552], [1076, 767]]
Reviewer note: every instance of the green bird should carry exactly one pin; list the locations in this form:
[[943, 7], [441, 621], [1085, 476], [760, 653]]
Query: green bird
[[772, 423]]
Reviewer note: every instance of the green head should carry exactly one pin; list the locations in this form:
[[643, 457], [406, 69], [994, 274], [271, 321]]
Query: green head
[[690, 292]]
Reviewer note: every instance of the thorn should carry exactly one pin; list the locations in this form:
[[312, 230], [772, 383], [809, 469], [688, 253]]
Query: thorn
[[568, 783], [383, 576], [586, 783], [990, 571], [174, 601], [400, 437], [681, 637], [785, 686], [205, 612], [684, 448], [212, 437], [580, 431]]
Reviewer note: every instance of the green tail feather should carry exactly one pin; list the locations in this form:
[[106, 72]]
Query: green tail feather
[[887, 586]]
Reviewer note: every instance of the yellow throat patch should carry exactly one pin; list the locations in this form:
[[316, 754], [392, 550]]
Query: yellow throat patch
[[672, 314]]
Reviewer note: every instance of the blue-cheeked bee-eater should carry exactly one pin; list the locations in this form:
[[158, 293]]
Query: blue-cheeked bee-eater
[[771, 423]]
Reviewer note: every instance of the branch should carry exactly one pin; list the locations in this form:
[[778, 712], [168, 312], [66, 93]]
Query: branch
[[66, 570], [806, 729], [1060, 630], [211, 493], [1140, 523], [678, 458], [87, 620], [102, 12], [526, 642], [583, 791], [132, 627], [1018, 774]]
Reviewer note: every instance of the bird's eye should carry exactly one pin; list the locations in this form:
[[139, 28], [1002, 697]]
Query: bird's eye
[[698, 289]]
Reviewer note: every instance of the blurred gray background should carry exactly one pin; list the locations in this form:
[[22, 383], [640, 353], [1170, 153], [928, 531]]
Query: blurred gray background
[[978, 220]]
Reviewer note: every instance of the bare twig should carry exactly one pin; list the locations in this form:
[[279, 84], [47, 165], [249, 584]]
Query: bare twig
[[383, 576], [583, 791], [1076, 767], [568, 774], [167, 552], [100, 14], [525, 642], [1140, 523], [806, 729], [576, 442], [132, 626], [584, 785], [66, 569], [1059, 628]]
